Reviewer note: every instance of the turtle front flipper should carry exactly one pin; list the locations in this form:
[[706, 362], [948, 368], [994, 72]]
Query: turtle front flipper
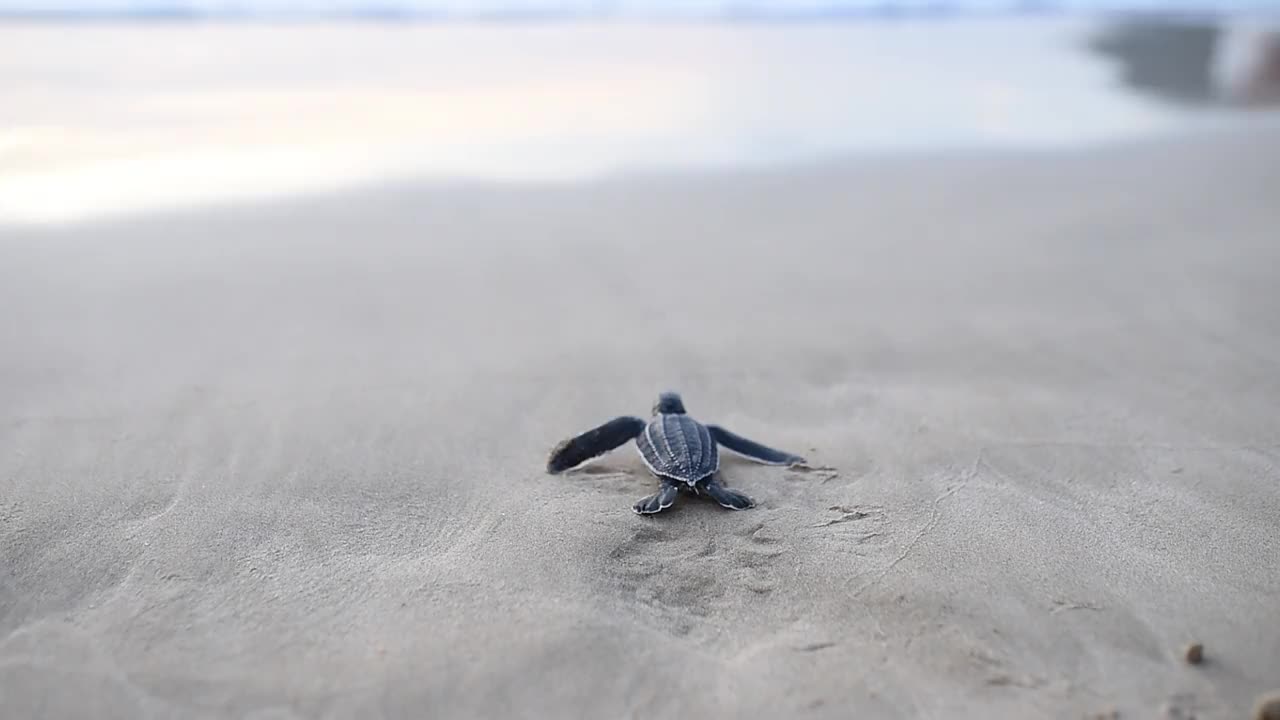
[[659, 501], [593, 443], [731, 499], [752, 449]]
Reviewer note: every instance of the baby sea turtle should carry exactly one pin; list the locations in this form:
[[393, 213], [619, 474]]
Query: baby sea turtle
[[682, 452]]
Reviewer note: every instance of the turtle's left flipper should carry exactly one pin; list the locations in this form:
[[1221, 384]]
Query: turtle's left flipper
[[752, 449], [593, 443], [731, 499]]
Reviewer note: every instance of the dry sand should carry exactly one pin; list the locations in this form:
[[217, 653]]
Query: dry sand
[[287, 460]]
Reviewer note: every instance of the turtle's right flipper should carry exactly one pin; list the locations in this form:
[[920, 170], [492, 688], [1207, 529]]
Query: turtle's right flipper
[[658, 502], [727, 497], [752, 449], [593, 443]]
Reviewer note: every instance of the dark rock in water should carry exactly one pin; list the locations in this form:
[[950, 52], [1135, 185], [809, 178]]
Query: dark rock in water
[[1166, 58], [1193, 62]]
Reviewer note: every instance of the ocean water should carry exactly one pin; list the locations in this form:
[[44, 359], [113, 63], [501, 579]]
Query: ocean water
[[683, 9], [98, 119]]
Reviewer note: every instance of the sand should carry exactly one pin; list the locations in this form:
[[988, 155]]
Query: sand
[[286, 460]]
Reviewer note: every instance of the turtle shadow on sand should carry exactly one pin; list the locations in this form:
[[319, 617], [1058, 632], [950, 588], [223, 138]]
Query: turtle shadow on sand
[[681, 452]]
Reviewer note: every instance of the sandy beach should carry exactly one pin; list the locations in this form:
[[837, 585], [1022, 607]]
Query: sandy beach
[[287, 460], [284, 458]]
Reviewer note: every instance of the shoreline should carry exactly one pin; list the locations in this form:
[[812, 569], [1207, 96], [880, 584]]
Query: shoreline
[[193, 130], [303, 189]]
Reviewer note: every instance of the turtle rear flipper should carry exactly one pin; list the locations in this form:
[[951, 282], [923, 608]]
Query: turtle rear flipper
[[752, 449], [594, 443], [731, 499], [659, 501]]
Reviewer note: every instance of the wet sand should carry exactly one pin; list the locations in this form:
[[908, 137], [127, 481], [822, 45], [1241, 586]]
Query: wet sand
[[286, 460]]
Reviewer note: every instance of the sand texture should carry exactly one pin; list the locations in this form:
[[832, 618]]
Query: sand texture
[[286, 461]]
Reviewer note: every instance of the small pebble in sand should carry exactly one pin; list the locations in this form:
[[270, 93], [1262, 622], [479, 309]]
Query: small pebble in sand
[[1194, 653], [1267, 707]]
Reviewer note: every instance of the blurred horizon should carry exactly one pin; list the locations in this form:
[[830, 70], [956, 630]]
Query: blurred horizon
[[99, 118], [781, 10]]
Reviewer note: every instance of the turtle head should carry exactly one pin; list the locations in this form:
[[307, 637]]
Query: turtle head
[[669, 403]]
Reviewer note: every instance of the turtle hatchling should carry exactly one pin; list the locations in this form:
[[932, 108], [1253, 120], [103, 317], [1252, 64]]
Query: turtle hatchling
[[683, 453]]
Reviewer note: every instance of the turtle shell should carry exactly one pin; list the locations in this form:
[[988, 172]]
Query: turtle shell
[[678, 447]]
